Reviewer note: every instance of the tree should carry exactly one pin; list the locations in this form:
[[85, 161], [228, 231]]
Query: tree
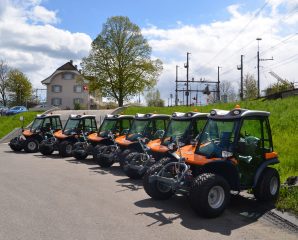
[[250, 89], [4, 70], [153, 99], [225, 88], [280, 86], [119, 62], [19, 87]]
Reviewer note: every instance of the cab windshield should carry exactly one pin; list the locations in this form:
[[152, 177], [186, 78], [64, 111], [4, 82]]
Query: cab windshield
[[37, 124], [71, 126], [217, 136], [106, 127], [137, 129], [177, 128]]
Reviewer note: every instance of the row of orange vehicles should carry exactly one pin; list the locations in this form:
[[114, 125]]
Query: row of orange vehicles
[[201, 155]]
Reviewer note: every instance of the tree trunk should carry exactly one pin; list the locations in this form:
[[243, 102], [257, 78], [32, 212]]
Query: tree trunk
[[120, 102]]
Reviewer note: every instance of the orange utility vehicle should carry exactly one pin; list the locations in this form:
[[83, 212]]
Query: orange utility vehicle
[[186, 126], [233, 152], [117, 124], [151, 126], [42, 128], [73, 132]]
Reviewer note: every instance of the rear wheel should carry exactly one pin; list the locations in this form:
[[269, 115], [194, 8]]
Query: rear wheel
[[132, 173], [268, 184], [31, 145], [13, 147], [156, 189], [209, 195], [78, 155], [44, 149], [65, 149]]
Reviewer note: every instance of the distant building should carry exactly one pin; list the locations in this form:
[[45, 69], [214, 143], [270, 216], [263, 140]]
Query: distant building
[[63, 90]]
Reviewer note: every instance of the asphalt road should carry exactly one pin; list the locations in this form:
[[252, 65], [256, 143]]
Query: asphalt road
[[62, 198]]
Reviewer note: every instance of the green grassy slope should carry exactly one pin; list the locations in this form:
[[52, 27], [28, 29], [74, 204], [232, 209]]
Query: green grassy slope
[[283, 122], [9, 123]]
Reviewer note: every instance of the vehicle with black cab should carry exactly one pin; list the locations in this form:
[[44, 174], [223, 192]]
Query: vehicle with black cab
[[186, 126], [73, 132], [233, 152], [43, 128], [117, 124], [150, 125]]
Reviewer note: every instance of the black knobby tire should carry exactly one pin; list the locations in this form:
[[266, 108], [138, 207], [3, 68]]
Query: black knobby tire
[[98, 148], [65, 148], [31, 145], [13, 147], [77, 155], [267, 187], [155, 189], [45, 150], [132, 173], [124, 154], [209, 195], [104, 161]]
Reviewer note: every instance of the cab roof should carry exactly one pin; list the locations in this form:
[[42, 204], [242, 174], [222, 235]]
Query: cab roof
[[72, 116], [47, 115], [188, 115], [108, 116], [236, 113], [150, 116]]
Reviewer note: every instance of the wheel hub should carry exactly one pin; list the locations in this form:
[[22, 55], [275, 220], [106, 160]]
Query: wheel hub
[[31, 146], [273, 185], [68, 149], [216, 197]]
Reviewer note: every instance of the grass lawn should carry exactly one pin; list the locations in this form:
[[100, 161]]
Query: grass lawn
[[9, 123]]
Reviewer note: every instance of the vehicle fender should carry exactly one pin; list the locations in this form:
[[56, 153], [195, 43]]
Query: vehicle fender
[[136, 146], [37, 137], [105, 141], [261, 168], [225, 168], [73, 139]]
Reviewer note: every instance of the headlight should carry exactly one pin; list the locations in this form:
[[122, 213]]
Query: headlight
[[213, 112], [226, 154], [172, 146]]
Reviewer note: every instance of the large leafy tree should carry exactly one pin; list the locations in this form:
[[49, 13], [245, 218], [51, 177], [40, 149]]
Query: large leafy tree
[[153, 99], [119, 63], [19, 87], [250, 88]]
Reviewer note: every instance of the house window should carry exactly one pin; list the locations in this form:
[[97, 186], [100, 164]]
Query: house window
[[56, 88], [67, 75], [56, 101], [78, 89], [78, 100]]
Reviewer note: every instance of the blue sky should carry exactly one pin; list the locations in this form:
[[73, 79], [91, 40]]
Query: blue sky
[[39, 36]]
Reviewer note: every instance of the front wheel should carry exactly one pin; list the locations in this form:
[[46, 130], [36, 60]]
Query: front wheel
[[31, 145], [209, 195], [267, 186], [104, 161], [65, 149], [78, 155], [44, 149], [157, 189], [13, 147], [123, 156], [132, 173]]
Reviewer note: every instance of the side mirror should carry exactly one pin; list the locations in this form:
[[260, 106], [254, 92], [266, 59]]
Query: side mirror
[[193, 142], [241, 147]]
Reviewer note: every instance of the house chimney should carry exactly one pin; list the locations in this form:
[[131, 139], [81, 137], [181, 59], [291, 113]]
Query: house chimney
[[71, 62], [76, 66]]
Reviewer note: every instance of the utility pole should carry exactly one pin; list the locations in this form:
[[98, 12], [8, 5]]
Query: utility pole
[[187, 67], [176, 97], [241, 83], [183, 95], [218, 92], [190, 96], [139, 99], [258, 57]]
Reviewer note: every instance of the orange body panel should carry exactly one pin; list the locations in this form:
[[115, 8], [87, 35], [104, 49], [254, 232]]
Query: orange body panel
[[122, 141], [60, 135], [95, 137], [157, 147], [270, 155], [190, 157], [27, 133]]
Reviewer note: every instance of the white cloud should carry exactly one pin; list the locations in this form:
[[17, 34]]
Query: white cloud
[[37, 50], [205, 41]]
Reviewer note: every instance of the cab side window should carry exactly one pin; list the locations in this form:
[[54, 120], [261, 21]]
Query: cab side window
[[157, 128], [123, 126]]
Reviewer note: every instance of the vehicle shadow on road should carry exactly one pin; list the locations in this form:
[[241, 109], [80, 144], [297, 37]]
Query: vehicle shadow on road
[[240, 212], [130, 184], [114, 170]]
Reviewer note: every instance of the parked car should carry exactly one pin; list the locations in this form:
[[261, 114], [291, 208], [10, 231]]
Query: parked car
[[3, 110], [16, 110]]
